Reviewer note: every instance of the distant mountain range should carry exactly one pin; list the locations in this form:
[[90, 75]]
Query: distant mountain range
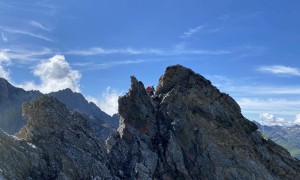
[[287, 137], [12, 98]]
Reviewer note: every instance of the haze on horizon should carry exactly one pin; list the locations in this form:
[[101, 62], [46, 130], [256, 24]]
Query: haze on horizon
[[249, 50]]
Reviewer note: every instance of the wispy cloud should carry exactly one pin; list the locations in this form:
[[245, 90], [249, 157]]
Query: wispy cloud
[[35, 8], [193, 31], [198, 52], [280, 69], [26, 33], [25, 55], [224, 17], [251, 51], [148, 51], [102, 51], [240, 16], [200, 29], [235, 88], [271, 105], [259, 90], [106, 65], [3, 37], [39, 26]]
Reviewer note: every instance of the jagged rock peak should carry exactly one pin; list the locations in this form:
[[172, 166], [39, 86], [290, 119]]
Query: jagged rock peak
[[139, 105], [175, 75], [191, 130], [183, 82]]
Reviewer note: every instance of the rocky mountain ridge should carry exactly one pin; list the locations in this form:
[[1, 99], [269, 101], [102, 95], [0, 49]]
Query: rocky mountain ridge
[[190, 130]]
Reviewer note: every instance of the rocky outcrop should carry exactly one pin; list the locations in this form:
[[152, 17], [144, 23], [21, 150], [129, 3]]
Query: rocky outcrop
[[188, 130], [63, 143], [191, 131]]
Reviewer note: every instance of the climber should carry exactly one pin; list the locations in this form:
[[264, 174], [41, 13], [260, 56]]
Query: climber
[[150, 90]]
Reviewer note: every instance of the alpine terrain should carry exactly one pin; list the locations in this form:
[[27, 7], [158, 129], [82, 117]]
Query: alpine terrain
[[188, 130], [286, 136]]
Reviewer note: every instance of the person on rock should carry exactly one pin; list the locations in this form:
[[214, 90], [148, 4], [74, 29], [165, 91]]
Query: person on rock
[[150, 90]]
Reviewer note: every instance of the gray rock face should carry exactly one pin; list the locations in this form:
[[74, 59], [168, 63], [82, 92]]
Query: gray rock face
[[189, 130], [19, 159]]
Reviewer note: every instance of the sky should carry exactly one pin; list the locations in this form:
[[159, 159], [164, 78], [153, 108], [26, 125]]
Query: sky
[[248, 49]]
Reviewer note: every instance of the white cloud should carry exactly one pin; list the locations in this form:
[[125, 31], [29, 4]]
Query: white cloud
[[280, 69], [4, 73], [3, 37], [108, 102], [297, 120], [270, 120], [193, 31], [3, 56], [39, 25], [4, 61], [54, 74]]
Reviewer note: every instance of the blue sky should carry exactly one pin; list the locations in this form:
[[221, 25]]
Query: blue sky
[[248, 49]]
